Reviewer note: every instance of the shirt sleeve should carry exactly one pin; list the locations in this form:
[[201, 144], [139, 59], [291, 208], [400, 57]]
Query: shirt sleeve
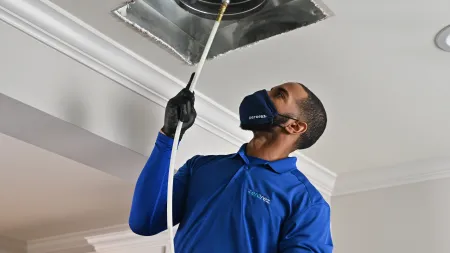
[[308, 231], [148, 210]]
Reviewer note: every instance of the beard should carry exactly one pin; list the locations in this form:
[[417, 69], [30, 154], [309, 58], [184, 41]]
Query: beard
[[278, 121]]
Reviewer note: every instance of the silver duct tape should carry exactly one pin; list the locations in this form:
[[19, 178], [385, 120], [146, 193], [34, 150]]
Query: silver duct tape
[[184, 35], [160, 42]]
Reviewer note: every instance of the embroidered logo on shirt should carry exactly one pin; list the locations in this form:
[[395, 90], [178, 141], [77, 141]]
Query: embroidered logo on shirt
[[258, 196]]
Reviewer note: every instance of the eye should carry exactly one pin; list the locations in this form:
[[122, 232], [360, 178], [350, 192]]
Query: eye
[[279, 94]]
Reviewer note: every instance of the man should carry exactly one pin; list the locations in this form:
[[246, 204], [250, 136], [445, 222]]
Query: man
[[254, 201]]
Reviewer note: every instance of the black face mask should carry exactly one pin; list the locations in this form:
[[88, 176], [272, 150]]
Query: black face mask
[[258, 113]]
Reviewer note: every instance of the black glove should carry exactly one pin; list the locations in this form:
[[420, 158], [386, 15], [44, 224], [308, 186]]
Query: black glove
[[180, 107]]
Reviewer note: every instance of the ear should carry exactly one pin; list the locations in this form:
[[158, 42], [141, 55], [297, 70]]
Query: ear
[[297, 127]]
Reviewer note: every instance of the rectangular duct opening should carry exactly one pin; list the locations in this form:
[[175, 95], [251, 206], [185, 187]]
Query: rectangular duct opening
[[184, 35]]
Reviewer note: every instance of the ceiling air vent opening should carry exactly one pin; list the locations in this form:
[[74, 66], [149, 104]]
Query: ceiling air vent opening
[[182, 27], [236, 9]]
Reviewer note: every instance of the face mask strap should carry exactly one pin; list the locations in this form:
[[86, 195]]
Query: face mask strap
[[288, 117], [285, 116]]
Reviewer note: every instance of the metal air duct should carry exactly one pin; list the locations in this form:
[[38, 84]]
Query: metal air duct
[[183, 26]]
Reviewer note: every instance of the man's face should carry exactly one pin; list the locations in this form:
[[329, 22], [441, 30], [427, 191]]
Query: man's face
[[285, 97]]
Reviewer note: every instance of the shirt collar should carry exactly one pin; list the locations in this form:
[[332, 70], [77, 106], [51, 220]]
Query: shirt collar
[[279, 166]]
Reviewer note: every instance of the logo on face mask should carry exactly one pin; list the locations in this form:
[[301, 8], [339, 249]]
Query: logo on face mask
[[257, 117]]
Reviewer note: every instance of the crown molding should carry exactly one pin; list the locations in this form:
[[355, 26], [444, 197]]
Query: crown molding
[[127, 241], [60, 30], [109, 239], [406, 173], [73, 242], [322, 178], [67, 34]]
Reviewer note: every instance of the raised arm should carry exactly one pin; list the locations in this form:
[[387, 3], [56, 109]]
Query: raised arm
[[148, 210]]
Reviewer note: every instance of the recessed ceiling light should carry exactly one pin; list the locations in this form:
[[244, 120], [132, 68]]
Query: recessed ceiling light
[[443, 39]]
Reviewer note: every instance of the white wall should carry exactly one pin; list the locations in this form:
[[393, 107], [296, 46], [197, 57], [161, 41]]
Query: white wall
[[413, 218]]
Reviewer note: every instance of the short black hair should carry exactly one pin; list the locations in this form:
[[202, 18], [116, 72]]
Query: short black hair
[[314, 114]]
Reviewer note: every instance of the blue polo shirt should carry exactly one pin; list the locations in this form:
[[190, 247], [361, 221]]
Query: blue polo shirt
[[231, 204]]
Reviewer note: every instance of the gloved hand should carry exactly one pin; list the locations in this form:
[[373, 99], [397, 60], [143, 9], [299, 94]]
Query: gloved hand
[[180, 107]]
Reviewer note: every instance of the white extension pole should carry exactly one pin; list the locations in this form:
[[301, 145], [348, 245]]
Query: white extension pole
[[180, 124]]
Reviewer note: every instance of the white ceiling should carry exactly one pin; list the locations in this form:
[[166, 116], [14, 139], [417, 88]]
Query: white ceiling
[[43, 194], [374, 65]]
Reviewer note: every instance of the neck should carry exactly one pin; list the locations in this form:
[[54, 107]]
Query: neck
[[268, 147]]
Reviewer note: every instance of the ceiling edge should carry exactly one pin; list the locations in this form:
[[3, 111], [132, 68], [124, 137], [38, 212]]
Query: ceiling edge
[[60, 30], [403, 174]]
